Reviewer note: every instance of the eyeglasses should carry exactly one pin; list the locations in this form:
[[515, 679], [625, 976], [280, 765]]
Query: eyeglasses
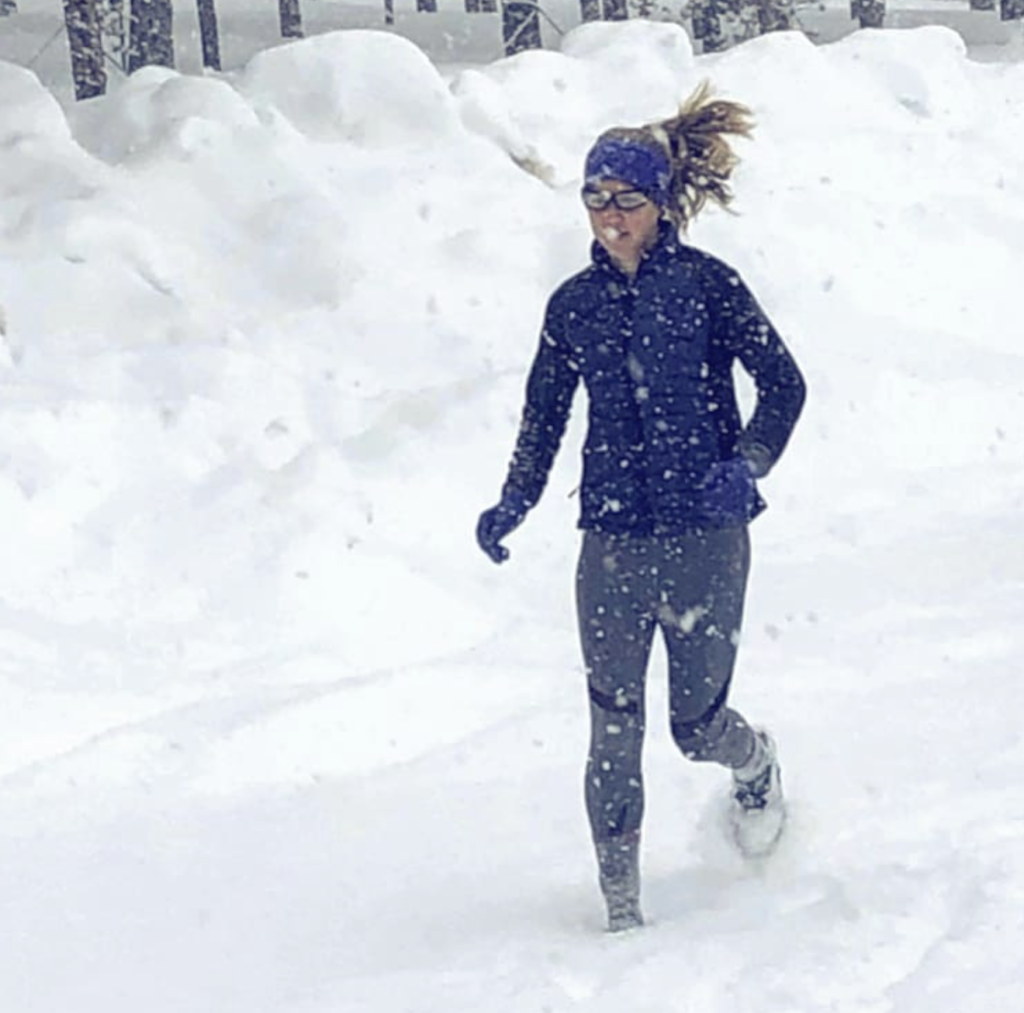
[[624, 200]]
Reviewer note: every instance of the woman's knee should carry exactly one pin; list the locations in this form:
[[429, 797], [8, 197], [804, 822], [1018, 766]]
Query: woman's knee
[[698, 738], [616, 730]]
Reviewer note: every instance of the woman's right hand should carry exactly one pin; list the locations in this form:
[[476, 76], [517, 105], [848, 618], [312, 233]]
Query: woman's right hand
[[499, 522]]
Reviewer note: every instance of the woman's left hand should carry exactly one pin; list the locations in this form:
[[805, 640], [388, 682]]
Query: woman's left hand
[[729, 491]]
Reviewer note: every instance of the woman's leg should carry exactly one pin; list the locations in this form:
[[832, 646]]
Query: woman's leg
[[702, 583], [612, 583], [616, 629]]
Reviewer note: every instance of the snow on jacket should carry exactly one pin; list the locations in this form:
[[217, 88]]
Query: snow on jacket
[[655, 354]]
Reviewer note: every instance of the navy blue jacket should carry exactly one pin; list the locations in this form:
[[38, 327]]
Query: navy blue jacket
[[656, 354]]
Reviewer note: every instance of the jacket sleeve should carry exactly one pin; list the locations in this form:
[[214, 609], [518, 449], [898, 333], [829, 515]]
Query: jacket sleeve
[[549, 392], [748, 335]]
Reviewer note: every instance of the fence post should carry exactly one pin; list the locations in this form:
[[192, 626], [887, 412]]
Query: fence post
[[150, 33], [869, 13], [86, 45], [776, 15], [705, 24], [291, 19], [719, 24], [208, 33], [520, 26]]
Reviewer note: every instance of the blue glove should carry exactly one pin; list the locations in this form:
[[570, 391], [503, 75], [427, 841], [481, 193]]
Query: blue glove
[[499, 522], [728, 489]]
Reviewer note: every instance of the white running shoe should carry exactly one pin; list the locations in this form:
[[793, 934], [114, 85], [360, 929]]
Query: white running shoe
[[758, 810]]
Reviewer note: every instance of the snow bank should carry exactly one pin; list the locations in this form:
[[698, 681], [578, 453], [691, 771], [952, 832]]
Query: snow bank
[[372, 89], [555, 103], [29, 110], [158, 113]]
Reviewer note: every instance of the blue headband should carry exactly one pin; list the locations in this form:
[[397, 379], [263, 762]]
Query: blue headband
[[644, 165]]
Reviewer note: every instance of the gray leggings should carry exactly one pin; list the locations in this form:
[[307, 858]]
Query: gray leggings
[[691, 587]]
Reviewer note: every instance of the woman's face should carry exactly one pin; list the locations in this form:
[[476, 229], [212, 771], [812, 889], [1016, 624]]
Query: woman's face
[[625, 234]]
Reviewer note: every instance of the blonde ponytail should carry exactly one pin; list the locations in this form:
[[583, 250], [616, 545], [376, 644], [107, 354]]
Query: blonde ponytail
[[702, 158]]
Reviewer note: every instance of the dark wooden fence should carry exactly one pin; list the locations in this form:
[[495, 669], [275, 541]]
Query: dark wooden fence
[[129, 34]]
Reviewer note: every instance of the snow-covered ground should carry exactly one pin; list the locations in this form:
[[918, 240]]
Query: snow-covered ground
[[275, 737]]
